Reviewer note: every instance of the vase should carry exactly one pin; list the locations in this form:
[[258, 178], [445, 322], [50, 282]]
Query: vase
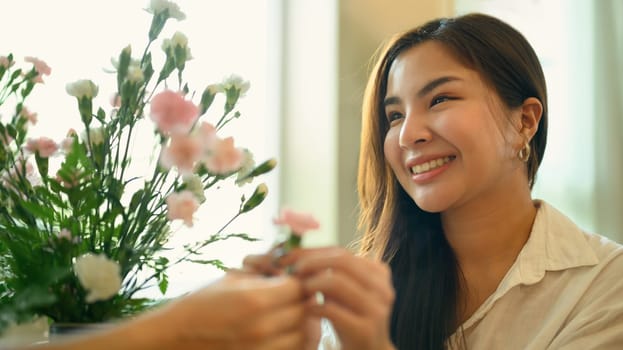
[[64, 329]]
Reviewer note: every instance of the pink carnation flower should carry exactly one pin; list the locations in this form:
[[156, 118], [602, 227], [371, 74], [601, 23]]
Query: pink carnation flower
[[40, 66], [299, 223], [207, 133], [43, 145], [4, 62], [223, 157], [30, 116], [182, 205], [172, 113], [67, 144], [115, 100], [183, 152]]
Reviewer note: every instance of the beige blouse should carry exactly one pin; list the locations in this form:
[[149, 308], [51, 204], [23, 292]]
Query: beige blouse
[[564, 291]]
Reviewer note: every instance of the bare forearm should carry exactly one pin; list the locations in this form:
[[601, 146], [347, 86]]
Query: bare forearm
[[140, 334]]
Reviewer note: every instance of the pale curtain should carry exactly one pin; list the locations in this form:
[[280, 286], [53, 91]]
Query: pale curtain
[[608, 58]]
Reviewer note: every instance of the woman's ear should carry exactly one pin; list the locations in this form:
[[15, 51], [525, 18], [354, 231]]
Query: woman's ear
[[531, 112]]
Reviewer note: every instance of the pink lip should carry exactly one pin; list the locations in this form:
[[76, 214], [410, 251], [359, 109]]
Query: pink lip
[[429, 175]]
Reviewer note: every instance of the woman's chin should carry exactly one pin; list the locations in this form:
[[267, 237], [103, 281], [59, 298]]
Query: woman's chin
[[432, 205]]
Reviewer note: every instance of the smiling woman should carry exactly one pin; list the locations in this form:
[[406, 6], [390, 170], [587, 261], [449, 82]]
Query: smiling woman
[[78, 43], [456, 253]]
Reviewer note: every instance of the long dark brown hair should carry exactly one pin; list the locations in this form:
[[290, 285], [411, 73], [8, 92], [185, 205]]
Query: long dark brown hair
[[425, 271]]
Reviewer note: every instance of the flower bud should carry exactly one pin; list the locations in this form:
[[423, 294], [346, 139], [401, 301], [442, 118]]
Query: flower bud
[[258, 197], [260, 169]]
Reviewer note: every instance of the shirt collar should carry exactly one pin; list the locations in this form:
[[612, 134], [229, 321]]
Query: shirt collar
[[555, 244]]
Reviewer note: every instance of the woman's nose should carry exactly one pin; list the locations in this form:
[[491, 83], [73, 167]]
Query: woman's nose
[[414, 130]]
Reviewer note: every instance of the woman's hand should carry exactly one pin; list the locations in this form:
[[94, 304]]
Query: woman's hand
[[358, 294]]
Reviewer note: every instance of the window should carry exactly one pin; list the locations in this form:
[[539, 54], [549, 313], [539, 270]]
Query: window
[[225, 37]]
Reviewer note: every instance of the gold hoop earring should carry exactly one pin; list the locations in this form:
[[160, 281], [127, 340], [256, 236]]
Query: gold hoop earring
[[524, 153]]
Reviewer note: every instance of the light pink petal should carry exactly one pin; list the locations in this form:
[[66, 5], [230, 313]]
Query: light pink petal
[[298, 222], [223, 157], [182, 206], [46, 147], [171, 112], [183, 152]]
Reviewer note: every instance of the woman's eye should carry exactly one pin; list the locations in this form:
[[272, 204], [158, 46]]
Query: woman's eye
[[439, 99], [393, 116]]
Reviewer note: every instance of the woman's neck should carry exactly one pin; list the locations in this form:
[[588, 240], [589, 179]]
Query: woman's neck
[[491, 230], [486, 236]]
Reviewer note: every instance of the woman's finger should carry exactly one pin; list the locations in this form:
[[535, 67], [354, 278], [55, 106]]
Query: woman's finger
[[370, 275], [263, 264], [341, 318], [312, 332], [339, 288]]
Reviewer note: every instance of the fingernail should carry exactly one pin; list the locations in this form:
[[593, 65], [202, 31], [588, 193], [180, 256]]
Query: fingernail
[[277, 254]]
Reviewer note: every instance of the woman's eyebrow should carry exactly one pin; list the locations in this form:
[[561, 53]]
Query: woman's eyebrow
[[392, 100], [430, 86]]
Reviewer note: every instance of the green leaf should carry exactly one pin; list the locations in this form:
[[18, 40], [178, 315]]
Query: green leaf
[[32, 297], [163, 283], [16, 74], [42, 165], [101, 115], [11, 131], [136, 200], [40, 211], [214, 262], [244, 236]]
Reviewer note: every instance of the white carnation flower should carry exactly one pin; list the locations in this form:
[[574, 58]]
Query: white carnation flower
[[178, 39], [248, 164], [100, 276], [215, 88], [135, 74], [96, 136], [159, 6], [235, 81], [115, 63], [82, 88]]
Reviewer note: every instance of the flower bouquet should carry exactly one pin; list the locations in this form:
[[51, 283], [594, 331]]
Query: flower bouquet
[[80, 233]]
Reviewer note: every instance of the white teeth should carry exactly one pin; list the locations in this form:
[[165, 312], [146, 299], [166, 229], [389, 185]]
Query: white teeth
[[430, 165]]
